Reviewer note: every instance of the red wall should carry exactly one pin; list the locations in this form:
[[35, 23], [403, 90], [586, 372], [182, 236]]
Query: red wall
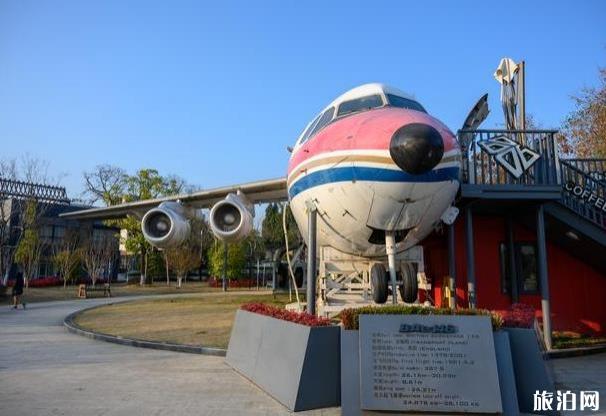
[[577, 291]]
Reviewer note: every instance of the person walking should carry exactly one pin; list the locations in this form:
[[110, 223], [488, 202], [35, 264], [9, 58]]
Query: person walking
[[18, 291]]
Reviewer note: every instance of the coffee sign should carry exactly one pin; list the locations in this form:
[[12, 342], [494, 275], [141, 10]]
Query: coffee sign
[[428, 363], [586, 195]]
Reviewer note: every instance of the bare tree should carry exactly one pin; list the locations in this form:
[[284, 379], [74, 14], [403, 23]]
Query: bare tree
[[106, 183], [97, 255], [583, 133], [189, 255], [182, 260], [8, 171], [20, 216], [66, 256]]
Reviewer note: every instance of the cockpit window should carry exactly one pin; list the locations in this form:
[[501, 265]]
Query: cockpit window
[[324, 120], [309, 129], [360, 104], [402, 102]]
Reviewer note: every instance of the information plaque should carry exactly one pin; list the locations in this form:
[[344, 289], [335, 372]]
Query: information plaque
[[431, 363]]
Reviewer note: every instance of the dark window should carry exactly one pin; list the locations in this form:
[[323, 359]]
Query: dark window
[[505, 269], [360, 104], [402, 102], [324, 120], [526, 268]]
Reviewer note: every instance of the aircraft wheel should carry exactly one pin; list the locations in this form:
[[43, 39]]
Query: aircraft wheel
[[410, 286], [378, 283]]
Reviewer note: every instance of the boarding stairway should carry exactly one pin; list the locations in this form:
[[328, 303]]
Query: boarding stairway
[[511, 171]]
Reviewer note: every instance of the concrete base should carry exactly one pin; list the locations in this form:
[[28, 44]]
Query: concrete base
[[520, 363], [296, 364], [507, 378], [531, 371]]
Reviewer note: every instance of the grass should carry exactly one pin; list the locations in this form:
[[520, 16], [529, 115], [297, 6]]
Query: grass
[[46, 294], [201, 320]]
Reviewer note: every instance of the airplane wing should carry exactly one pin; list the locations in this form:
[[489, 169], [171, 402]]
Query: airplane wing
[[272, 190]]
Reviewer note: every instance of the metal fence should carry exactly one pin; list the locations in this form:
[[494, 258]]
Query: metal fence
[[509, 157], [27, 190]]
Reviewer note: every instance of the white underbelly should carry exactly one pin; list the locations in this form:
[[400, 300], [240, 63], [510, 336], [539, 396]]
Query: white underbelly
[[349, 211]]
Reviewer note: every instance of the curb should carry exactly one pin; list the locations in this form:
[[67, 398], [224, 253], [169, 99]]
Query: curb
[[576, 352], [72, 327]]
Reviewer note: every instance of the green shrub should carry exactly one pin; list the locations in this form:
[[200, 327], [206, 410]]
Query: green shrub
[[350, 318]]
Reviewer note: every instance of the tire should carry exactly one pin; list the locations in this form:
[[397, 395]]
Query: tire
[[410, 286], [299, 276], [378, 283]]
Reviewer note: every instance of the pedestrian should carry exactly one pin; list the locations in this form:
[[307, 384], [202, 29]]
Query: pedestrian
[[18, 291]]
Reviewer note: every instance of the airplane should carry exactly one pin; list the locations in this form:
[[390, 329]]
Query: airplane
[[380, 171]]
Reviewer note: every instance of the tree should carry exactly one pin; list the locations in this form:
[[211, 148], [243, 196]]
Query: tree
[[145, 184], [8, 170], [584, 131], [30, 245], [190, 254], [182, 260], [98, 254], [272, 230], [236, 259], [29, 210], [105, 183], [66, 257]]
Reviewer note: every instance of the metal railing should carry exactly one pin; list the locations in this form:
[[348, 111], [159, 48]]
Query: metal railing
[[584, 188], [509, 157], [27, 190]]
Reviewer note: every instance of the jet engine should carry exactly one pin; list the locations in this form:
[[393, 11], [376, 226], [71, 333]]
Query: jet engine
[[166, 226], [231, 220]]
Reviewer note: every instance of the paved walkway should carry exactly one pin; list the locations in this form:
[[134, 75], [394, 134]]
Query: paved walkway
[[44, 370]]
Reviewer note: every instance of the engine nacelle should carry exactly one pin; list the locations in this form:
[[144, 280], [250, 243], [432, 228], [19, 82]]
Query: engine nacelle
[[231, 220], [166, 226]]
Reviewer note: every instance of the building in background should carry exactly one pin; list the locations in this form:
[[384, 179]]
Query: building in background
[[52, 230]]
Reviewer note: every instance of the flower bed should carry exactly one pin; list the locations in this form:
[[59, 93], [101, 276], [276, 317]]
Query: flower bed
[[293, 357], [283, 314], [351, 317], [519, 315], [237, 283]]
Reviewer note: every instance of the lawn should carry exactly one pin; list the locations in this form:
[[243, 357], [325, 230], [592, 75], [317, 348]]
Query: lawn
[[201, 320], [45, 294]]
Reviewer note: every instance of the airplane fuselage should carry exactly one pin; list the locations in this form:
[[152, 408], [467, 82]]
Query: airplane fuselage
[[348, 171]]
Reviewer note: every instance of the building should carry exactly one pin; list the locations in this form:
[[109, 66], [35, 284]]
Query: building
[[531, 229], [50, 202]]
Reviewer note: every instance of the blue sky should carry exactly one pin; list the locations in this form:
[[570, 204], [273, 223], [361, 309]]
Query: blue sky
[[215, 93]]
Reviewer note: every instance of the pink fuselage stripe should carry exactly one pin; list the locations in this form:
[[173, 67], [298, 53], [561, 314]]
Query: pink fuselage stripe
[[369, 130]]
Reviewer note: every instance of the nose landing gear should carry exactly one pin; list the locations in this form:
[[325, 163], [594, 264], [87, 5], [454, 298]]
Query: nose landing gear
[[403, 281], [407, 283], [409, 289], [378, 283]]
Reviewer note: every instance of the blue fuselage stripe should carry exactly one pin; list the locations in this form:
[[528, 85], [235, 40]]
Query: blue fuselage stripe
[[353, 173]]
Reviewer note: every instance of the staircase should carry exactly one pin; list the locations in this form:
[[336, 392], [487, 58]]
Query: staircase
[[584, 188], [507, 171]]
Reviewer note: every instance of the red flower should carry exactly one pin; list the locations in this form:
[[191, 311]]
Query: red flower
[[291, 316], [519, 315]]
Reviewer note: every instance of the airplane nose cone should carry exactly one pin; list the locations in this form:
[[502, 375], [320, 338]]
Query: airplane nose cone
[[416, 148]]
